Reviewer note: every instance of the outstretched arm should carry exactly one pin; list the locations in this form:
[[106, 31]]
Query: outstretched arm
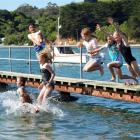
[[80, 44], [98, 27], [97, 50], [37, 40], [115, 24], [117, 29]]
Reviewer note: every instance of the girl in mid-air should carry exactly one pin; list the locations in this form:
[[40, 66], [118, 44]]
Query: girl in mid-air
[[116, 58], [95, 60], [47, 77]]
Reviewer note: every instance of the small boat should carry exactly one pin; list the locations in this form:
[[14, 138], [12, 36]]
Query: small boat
[[65, 54]]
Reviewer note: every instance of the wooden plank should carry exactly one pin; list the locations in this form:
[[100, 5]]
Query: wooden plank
[[82, 86], [82, 82]]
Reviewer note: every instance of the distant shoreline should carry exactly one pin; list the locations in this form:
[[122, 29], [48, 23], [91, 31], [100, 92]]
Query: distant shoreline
[[131, 45], [135, 45], [1, 45]]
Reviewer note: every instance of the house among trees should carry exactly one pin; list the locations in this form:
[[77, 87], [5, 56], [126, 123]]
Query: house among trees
[[90, 0]]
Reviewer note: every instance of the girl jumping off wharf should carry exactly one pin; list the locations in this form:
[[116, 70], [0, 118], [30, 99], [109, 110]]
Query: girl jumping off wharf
[[47, 77], [95, 60], [116, 57], [124, 48]]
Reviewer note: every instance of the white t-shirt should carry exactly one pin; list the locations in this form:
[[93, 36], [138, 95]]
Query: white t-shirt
[[91, 46]]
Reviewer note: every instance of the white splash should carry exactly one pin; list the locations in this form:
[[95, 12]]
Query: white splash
[[10, 103], [51, 108]]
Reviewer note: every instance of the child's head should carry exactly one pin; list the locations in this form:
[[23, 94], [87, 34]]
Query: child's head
[[26, 98], [32, 28], [110, 39], [85, 33], [21, 81], [117, 36], [44, 58]]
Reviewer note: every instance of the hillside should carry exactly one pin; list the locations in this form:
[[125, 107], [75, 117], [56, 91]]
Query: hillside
[[73, 17]]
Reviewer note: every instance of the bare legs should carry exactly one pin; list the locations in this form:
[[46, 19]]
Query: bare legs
[[117, 67], [134, 69], [45, 91], [92, 65]]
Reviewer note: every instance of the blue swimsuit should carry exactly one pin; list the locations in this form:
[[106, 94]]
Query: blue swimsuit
[[114, 53], [46, 75], [39, 48]]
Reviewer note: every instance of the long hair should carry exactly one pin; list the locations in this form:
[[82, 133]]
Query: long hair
[[22, 80]]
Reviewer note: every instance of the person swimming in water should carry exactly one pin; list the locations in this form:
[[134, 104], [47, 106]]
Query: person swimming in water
[[23, 94]]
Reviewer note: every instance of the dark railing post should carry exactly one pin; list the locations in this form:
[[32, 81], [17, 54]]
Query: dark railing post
[[81, 72], [10, 59], [53, 58], [29, 59]]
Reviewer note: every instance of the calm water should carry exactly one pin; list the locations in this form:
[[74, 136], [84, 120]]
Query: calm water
[[89, 118]]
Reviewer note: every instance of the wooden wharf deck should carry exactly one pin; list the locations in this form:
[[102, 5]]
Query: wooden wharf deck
[[103, 89]]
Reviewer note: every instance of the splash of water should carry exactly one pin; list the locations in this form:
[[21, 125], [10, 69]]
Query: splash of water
[[11, 105], [51, 108]]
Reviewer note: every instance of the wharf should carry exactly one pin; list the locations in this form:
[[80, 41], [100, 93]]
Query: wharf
[[103, 89]]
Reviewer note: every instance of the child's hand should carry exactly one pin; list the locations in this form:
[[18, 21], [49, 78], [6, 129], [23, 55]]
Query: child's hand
[[110, 20], [80, 44], [98, 27], [94, 53]]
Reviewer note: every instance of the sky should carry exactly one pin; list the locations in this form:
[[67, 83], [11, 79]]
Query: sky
[[11, 5]]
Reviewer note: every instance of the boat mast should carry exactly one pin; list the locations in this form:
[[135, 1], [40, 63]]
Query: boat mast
[[58, 26]]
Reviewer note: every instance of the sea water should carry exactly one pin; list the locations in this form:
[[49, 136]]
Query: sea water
[[88, 118]]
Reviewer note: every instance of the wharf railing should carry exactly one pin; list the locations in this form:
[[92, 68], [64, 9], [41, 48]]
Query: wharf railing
[[83, 86], [29, 60]]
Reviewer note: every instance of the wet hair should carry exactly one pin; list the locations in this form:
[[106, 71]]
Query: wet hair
[[22, 80], [26, 98], [47, 57], [43, 55]]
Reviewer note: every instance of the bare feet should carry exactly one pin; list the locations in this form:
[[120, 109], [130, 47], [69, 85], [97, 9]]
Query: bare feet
[[36, 109], [130, 82], [112, 80]]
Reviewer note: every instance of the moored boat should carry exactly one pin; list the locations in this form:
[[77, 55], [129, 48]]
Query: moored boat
[[65, 54]]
